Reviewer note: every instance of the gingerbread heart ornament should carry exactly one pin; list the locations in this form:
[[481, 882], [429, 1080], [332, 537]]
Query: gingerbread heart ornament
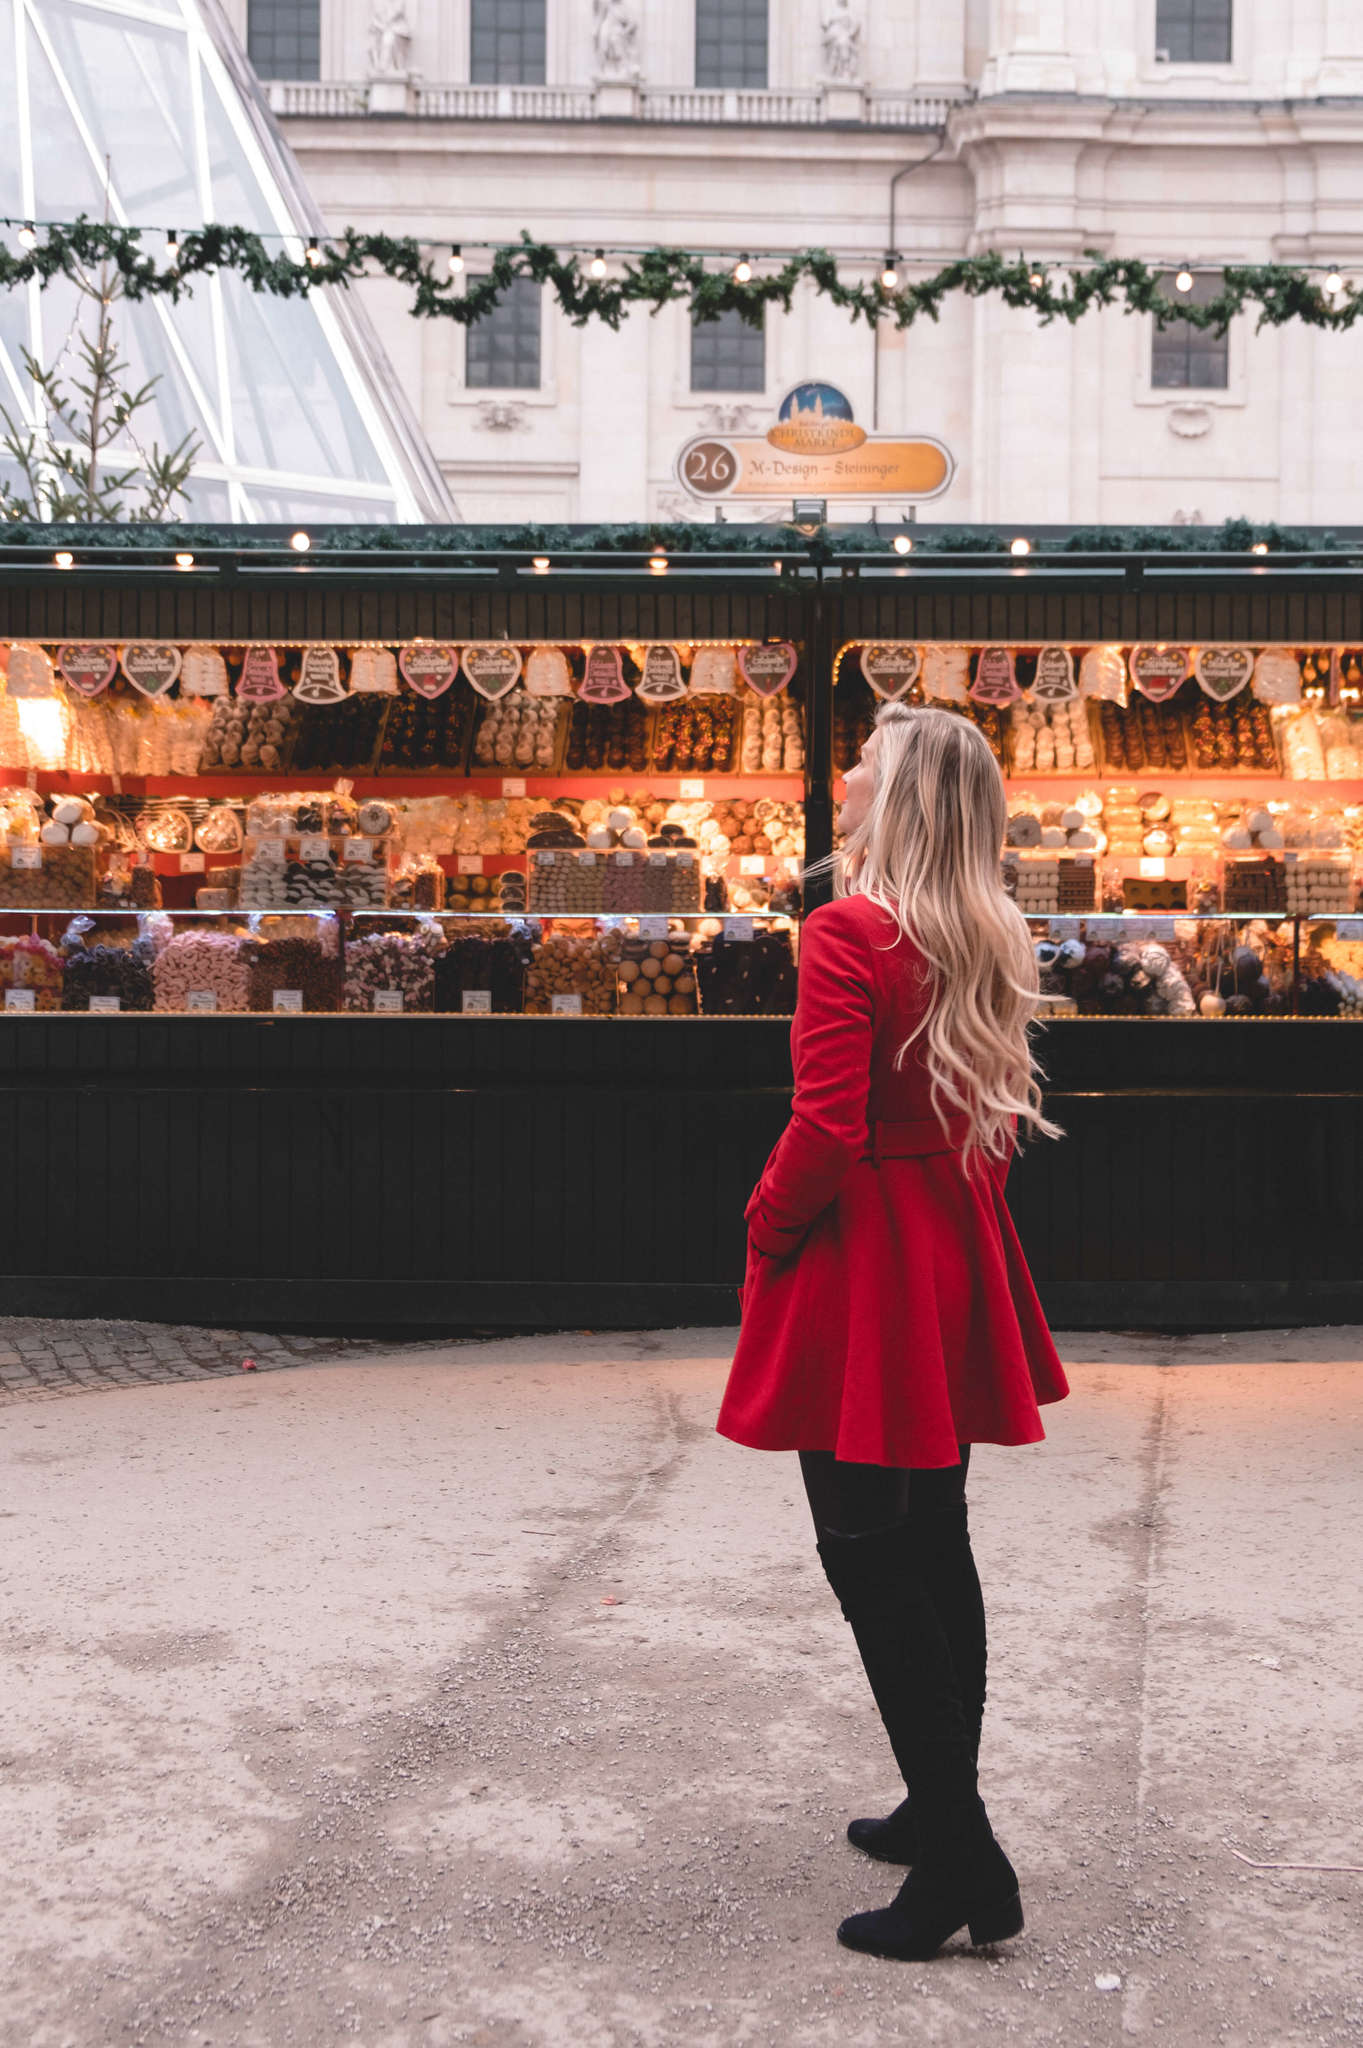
[[767, 669], [429, 670], [87, 667]]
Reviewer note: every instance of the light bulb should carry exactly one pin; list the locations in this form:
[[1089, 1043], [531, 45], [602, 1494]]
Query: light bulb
[[313, 253], [1035, 280], [28, 236], [742, 270], [889, 276], [540, 564], [776, 568], [300, 542], [456, 261], [184, 560], [597, 266], [173, 246], [1184, 281], [64, 559], [658, 564], [1334, 283], [902, 544], [1020, 546], [1260, 548]]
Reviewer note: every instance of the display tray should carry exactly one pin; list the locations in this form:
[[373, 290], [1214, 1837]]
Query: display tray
[[481, 770]]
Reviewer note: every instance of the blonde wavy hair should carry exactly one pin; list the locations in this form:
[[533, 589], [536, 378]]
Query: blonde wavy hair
[[928, 851]]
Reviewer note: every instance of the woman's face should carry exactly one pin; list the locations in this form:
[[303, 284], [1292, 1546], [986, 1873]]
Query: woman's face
[[859, 785]]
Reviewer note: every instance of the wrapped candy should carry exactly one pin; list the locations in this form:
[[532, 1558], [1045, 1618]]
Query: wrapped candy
[[32, 963], [400, 964], [210, 962]]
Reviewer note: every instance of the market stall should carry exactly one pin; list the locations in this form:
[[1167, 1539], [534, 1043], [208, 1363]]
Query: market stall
[[413, 940]]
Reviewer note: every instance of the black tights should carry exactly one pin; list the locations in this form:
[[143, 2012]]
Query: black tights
[[853, 1500]]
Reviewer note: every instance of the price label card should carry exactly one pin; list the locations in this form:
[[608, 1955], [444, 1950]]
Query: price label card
[[624, 858], [566, 1006], [388, 999], [269, 851], [513, 785], [288, 998], [477, 1002], [25, 856], [692, 788], [192, 864], [470, 863], [751, 864], [653, 927], [358, 851], [544, 858], [1083, 860], [686, 860], [201, 999], [657, 860], [586, 860], [1152, 867], [103, 1006], [738, 928], [314, 846], [20, 999]]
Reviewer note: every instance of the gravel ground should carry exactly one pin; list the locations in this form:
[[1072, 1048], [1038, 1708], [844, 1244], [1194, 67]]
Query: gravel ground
[[486, 1696]]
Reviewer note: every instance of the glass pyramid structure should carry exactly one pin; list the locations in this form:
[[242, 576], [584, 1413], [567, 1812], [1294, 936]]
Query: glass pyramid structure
[[295, 406]]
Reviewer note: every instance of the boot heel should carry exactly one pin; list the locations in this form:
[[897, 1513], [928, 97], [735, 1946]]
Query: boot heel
[[997, 1923]]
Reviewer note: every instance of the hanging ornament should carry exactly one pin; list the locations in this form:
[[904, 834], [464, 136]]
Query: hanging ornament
[[493, 668], [1332, 688], [892, 669], [1102, 673], [996, 679], [259, 682], [661, 680], [30, 672], [220, 831], [151, 666], [1054, 681], [1223, 671], [374, 672], [946, 673], [714, 672], [603, 680], [767, 669], [1277, 679], [203, 673], [1158, 670], [87, 667], [547, 673], [428, 668], [319, 677]]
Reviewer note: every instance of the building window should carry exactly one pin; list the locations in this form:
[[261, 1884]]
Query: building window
[[728, 355], [731, 42], [1193, 31], [503, 351], [506, 42], [1188, 358], [284, 38]]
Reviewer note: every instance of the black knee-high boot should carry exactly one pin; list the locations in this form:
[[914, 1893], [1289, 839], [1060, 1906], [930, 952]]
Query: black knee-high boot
[[961, 1876], [948, 1568]]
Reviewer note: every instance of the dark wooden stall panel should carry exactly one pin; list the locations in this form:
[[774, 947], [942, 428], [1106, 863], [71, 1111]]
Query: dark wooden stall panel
[[445, 1173]]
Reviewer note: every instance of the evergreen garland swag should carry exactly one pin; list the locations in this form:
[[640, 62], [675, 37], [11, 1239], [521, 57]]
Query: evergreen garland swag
[[657, 277]]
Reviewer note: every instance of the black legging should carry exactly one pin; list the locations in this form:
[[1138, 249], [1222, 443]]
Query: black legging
[[852, 1500]]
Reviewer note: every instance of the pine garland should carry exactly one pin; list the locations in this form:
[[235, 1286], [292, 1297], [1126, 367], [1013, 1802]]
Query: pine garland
[[658, 277]]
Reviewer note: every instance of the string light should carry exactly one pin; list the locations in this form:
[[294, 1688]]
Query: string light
[[456, 261], [1260, 547], [540, 564], [1334, 283], [1036, 279], [1020, 546], [1184, 281], [902, 544], [597, 266], [658, 563], [300, 542], [64, 559], [28, 236], [184, 560], [313, 252], [889, 276], [742, 271]]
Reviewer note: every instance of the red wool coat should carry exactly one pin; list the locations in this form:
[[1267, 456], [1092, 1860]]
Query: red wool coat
[[888, 1313]]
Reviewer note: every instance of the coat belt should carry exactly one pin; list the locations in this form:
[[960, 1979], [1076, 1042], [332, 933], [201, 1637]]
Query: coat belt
[[916, 1137]]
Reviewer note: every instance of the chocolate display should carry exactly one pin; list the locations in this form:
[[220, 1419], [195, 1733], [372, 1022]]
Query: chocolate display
[[1238, 735], [95, 966], [606, 736], [280, 956], [491, 957], [854, 711], [1145, 735], [393, 963], [343, 736], [574, 964], [423, 734], [745, 977], [696, 737]]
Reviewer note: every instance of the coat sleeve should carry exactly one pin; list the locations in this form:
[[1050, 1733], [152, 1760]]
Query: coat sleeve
[[826, 1134]]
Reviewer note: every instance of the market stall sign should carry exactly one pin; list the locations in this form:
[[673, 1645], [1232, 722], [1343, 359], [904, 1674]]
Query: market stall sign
[[661, 679], [203, 673], [1157, 671], [86, 667], [603, 680], [493, 668], [714, 672], [547, 673], [374, 671], [815, 447], [151, 666], [767, 669], [995, 677], [429, 669], [1223, 672], [892, 669], [1054, 681], [259, 682], [319, 677]]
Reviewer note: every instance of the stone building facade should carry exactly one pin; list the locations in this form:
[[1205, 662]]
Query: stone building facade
[[1189, 132]]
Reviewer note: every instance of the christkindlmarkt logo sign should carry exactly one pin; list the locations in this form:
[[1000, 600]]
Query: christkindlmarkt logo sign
[[815, 449]]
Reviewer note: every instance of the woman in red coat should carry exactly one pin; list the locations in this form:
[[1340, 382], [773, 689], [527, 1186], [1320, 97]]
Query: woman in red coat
[[889, 1319]]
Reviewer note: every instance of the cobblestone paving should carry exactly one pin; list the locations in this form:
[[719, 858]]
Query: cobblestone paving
[[41, 1358]]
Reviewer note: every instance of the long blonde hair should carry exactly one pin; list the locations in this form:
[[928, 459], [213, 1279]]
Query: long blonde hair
[[928, 851]]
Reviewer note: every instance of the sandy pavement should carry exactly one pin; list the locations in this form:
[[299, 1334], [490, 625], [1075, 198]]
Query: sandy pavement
[[489, 1697]]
